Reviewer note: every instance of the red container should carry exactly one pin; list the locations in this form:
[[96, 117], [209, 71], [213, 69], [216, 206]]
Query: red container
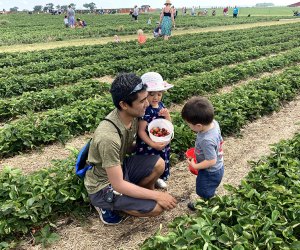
[[190, 153]]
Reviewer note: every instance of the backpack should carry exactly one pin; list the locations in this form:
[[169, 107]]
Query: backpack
[[82, 165]]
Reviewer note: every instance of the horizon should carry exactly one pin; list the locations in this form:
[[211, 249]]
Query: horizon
[[118, 4]]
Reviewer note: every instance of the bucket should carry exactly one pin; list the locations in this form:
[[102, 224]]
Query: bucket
[[190, 153], [161, 123]]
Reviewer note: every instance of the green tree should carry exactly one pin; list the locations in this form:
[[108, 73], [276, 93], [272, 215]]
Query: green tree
[[73, 5], [37, 8], [14, 9], [64, 8], [91, 6], [50, 6]]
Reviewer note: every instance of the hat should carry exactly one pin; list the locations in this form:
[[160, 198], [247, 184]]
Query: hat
[[155, 82], [167, 2]]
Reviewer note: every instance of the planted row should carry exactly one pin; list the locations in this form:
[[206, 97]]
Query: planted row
[[29, 200], [36, 62], [202, 83], [233, 111], [12, 86], [30, 102], [262, 213]]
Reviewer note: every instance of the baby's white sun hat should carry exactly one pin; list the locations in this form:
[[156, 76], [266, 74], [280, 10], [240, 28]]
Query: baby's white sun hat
[[155, 82]]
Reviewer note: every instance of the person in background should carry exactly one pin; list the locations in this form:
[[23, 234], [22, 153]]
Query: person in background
[[225, 11], [157, 30], [79, 23], [149, 20], [71, 16], [235, 12], [116, 39], [66, 22], [141, 37], [166, 20], [135, 13], [198, 113], [175, 12], [193, 11], [156, 86], [117, 182]]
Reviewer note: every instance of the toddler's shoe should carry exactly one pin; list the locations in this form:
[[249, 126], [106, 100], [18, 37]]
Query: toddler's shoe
[[160, 183]]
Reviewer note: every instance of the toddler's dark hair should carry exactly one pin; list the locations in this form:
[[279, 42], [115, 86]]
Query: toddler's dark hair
[[198, 110]]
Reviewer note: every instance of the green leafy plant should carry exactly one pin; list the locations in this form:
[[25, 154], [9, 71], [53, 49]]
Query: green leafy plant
[[46, 237]]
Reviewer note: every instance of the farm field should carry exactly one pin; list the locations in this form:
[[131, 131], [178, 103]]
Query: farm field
[[54, 99], [44, 28]]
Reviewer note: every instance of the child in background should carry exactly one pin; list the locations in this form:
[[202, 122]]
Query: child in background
[[141, 37], [149, 20], [79, 23], [66, 21], [198, 112], [157, 30], [116, 39], [156, 109]]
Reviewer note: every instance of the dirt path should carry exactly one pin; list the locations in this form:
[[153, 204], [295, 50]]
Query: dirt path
[[104, 40], [254, 143]]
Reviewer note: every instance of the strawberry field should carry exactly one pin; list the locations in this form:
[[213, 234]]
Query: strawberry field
[[54, 95], [48, 28]]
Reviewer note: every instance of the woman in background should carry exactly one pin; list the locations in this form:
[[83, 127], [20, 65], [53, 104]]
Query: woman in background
[[166, 20]]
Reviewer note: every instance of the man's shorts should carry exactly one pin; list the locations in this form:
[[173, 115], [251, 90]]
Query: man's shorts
[[134, 17], [135, 169]]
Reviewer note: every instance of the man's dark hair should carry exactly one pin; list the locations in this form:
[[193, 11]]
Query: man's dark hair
[[198, 110], [122, 86]]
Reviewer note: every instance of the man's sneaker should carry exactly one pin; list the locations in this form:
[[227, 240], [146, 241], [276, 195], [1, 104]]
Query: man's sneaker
[[109, 217], [160, 183]]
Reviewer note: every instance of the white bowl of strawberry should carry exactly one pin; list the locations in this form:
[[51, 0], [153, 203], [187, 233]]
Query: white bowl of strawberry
[[161, 130]]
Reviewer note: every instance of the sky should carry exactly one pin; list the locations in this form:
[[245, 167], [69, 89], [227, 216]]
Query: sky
[[28, 4]]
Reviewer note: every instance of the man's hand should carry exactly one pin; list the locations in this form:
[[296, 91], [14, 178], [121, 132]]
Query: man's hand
[[166, 201]]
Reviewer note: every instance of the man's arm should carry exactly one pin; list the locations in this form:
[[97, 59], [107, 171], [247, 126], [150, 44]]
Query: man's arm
[[115, 176]]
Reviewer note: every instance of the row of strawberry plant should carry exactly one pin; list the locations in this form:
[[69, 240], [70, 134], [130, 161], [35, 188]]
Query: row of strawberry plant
[[18, 84], [202, 83], [209, 82], [37, 61], [30, 102], [243, 104], [233, 109], [262, 213], [29, 200], [171, 71], [30, 32]]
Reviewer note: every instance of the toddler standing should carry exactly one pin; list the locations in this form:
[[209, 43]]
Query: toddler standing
[[156, 109], [198, 112]]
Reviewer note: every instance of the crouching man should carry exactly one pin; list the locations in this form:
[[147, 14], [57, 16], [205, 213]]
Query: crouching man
[[115, 182]]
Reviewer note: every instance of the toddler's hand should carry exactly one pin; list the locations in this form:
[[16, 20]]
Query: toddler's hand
[[191, 162], [164, 112]]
